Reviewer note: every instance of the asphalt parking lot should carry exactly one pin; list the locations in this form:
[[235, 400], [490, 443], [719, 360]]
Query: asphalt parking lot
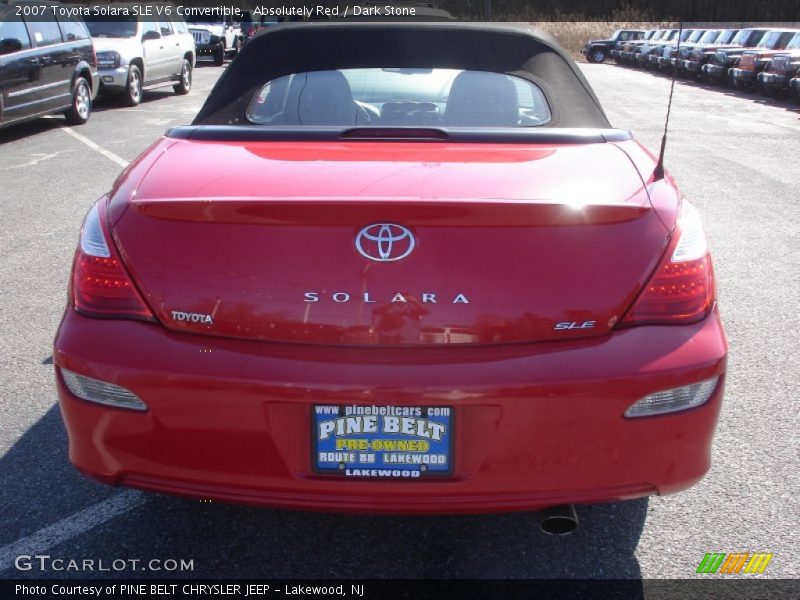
[[734, 156]]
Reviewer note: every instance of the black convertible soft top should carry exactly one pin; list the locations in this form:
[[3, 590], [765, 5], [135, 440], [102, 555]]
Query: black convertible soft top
[[518, 50]]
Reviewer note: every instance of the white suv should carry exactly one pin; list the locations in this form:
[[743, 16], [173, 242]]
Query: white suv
[[216, 37], [136, 53]]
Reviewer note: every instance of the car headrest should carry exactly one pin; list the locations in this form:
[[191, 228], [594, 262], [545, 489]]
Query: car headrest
[[482, 99], [325, 98]]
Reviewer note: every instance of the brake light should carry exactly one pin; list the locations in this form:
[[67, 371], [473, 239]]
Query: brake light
[[681, 290], [101, 287]]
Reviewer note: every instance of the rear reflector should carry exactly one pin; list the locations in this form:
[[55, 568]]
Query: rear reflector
[[101, 287], [100, 392], [676, 399]]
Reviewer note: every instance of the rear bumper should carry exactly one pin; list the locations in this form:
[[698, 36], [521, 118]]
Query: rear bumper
[[535, 424], [715, 70], [693, 66], [743, 75], [773, 79]]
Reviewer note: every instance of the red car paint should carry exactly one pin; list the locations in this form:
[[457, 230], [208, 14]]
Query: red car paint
[[462, 199], [538, 424], [532, 235]]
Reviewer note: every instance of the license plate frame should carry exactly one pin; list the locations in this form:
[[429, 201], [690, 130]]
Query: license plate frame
[[344, 445]]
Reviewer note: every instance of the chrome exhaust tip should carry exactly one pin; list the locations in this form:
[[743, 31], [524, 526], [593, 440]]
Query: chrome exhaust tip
[[558, 520]]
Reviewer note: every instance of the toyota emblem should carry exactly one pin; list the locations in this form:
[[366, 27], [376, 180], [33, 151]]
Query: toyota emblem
[[385, 242]]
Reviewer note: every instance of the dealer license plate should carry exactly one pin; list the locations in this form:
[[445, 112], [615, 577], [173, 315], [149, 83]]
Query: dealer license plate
[[382, 441]]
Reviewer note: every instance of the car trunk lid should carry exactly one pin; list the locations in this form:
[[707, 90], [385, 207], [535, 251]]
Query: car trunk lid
[[275, 241]]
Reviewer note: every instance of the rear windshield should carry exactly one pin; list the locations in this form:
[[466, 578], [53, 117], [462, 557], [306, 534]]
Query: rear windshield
[[709, 36], [726, 36], [750, 36], [696, 35], [795, 43], [383, 97], [775, 40]]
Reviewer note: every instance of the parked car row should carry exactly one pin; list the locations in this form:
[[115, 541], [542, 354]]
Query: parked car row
[[61, 65], [597, 51], [764, 59]]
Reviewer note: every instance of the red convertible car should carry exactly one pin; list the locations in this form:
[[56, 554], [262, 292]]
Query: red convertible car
[[414, 272]]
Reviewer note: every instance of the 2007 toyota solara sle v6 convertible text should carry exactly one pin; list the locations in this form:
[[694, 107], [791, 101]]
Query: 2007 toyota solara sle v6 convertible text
[[416, 272]]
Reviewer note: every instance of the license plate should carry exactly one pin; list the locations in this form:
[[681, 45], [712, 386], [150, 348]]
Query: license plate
[[385, 442]]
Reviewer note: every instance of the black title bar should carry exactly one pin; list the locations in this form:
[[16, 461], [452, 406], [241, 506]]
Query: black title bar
[[734, 586], [650, 11]]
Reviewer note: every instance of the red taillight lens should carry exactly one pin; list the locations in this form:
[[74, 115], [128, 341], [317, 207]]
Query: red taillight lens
[[682, 288], [677, 293], [101, 287]]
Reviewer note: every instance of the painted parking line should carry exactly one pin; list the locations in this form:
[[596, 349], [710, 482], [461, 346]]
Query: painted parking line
[[70, 527], [96, 147]]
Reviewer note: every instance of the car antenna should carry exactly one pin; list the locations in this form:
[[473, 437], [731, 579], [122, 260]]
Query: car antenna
[[658, 173]]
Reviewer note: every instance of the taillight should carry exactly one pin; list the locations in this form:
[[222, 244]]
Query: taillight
[[681, 290], [101, 287]]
